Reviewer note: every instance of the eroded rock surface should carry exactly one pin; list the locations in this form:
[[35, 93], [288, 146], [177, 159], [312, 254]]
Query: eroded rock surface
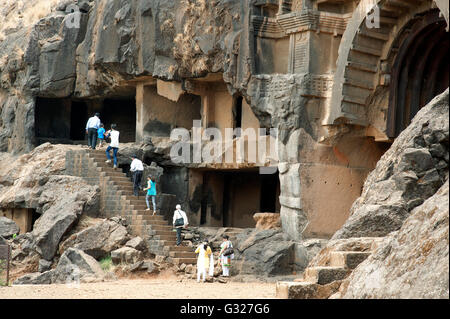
[[411, 262], [8, 227], [98, 240], [411, 171]]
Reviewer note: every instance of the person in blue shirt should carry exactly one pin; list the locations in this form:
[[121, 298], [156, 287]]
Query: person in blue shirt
[[101, 134], [151, 192]]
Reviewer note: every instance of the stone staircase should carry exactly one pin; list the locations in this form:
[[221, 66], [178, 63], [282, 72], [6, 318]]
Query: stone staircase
[[117, 199], [327, 270]]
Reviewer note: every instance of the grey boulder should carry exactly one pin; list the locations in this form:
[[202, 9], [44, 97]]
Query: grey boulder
[[98, 240], [8, 227]]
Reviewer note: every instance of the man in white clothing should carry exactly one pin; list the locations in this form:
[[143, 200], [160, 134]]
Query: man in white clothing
[[114, 145], [178, 223], [92, 125], [137, 168]]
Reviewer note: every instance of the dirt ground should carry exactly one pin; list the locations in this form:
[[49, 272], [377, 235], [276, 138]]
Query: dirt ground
[[158, 288]]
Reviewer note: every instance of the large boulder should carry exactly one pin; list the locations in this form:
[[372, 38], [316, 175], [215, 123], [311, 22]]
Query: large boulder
[[98, 240], [8, 227], [137, 243], [267, 252], [409, 263], [411, 171], [52, 225], [36, 278], [73, 267], [35, 180], [76, 265]]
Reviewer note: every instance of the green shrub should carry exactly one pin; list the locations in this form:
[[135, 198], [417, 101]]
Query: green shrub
[[106, 263]]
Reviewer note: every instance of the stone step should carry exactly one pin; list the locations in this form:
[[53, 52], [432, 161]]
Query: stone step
[[325, 275], [148, 219], [181, 249], [179, 261], [161, 227], [169, 243], [157, 223], [170, 237], [150, 222], [148, 216], [182, 254], [163, 232], [138, 206], [347, 259], [123, 184], [120, 178]]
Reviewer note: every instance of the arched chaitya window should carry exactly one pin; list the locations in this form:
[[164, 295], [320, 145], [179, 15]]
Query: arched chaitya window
[[420, 69]]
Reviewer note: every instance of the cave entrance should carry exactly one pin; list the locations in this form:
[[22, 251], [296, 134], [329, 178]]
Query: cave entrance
[[78, 118], [63, 120], [230, 198], [420, 70], [52, 120], [122, 112]]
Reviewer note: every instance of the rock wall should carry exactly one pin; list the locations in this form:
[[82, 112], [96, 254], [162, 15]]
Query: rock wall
[[411, 262], [411, 171]]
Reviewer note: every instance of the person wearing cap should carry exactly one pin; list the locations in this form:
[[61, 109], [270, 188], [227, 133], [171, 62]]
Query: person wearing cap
[[179, 221], [92, 125], [137, 169]]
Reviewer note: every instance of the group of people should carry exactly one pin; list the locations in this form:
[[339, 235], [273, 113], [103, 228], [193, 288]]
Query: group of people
[[95, 130], [205, 259]]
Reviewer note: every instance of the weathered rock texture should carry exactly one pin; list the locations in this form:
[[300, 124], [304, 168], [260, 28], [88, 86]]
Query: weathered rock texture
[[411, 262], [8, 227], [36, 181], [267, 220], [411, 171], [98, 240], [74, 267]]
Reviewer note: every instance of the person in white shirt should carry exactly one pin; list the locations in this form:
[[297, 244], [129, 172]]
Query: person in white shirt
[[114, 145], [92, 125], [225, 261], [137, 168], [179, 221]]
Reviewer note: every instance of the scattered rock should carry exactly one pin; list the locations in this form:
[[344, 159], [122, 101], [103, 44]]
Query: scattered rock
[[75, 265], [36, 278], [126, 255], [8, 227], [137, 243], [44, 265]]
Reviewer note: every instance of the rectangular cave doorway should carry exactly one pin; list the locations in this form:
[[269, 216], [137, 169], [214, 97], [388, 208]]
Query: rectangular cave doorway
[[122, 112], [52, 120], [23, 217], [230, 198], [79, 116], [63, 120]]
